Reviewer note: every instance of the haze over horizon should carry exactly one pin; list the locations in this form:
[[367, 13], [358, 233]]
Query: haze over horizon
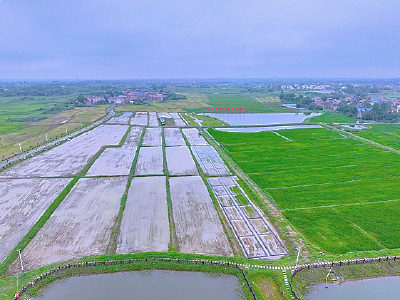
[[199, 39]]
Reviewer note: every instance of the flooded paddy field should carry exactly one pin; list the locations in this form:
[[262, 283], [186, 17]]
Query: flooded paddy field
[[80, 226], [152, 137], [133, 138], [145, 225], [112, 162], [117, 161], [153, 120], [150, 161], [193, 137], [178, 120], [198, 228], [180, 161], [68, 158], [119, 120], [22, 203], [149, 285], [173, 137], [140, 118], [210, 161], [325, 184]]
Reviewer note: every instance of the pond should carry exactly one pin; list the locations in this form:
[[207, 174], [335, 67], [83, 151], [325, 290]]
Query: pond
[[261, 118], [387, 288], [259, 129], [148, 285]]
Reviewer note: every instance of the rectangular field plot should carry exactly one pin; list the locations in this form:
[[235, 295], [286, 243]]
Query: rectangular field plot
[[80, 226], [153, 121], [22, 203], [173, 137], [248, 223], [68, 158], [177, 120], [194, 138], [132, 139], [150, 161], [198, 228], [335, 190], [152, 137], [180, 161], [113, 161], [139, 119], [145, 225], [119, 120], [210, 161]]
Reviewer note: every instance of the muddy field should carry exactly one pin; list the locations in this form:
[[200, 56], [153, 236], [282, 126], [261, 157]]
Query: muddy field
[[180, 161], [68, 158], [145, 225], [249, 224], [119, 120], [80, 226], [152, 137], [139, 119], [133, 138], [173, 137], [113, 162], [22, 203], [198, 228], [164, 114], [210, 161], [150, 161], [153, 121], [192, 135], [177, 120]]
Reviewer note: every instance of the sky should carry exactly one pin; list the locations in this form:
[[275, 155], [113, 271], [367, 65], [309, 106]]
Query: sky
[[151, 39]]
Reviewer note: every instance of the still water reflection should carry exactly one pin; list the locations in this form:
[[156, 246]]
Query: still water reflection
[[149, 285], [385, 288]]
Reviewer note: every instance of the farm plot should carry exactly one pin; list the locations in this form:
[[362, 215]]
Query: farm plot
[[80, 226], [145, 225], [153, 121], [118, 120], [132, 139], [251, 227], [210, 161], [164, 115], [180, 161], [173, 137], [152, 137], [198, 228], [150, 161], [112, 162], [194, 137], [22, 203], [177, 119], [325, 185], [139, 119], [68, 158]]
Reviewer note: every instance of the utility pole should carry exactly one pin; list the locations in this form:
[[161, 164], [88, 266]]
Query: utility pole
[[1, 141], [47, 138], [20, 148], [22, 263]]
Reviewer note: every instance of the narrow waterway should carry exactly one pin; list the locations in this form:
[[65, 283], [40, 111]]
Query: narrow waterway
[[146, 285], [385, 288]]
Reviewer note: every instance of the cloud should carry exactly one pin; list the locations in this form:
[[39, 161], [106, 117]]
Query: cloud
[[155, 39]]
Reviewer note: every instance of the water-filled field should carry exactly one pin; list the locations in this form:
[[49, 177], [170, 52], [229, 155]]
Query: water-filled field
[[341, 193]]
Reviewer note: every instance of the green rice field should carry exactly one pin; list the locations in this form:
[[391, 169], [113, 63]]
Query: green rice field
[[342, 194]]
